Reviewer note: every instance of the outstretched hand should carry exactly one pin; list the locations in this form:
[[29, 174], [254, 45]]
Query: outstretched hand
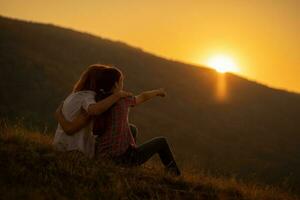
[[161, 92]]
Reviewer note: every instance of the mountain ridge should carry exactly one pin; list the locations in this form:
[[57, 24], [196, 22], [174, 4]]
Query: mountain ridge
[[139, 49]]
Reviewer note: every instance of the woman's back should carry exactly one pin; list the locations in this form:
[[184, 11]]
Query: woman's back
[[115, 136], [83, 140]]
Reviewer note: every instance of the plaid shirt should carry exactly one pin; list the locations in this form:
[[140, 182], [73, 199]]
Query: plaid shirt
[[112, 128]]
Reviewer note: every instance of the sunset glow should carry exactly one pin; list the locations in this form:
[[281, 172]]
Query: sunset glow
[[222, 64]]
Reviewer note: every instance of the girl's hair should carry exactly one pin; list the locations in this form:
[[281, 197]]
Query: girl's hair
[[88, 78], [98, 78], [110, 76]]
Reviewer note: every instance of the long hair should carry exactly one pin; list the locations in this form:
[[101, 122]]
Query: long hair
[[98, 78], [89, 78], [110, 76]]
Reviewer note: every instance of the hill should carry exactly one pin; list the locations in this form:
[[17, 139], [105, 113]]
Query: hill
[[253, 133], [31, 169]]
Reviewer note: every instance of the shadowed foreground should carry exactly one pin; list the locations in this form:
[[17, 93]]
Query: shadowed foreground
[[31, 169]]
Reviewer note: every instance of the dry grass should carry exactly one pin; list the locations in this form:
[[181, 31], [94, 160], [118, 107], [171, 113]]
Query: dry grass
[[31, 169]]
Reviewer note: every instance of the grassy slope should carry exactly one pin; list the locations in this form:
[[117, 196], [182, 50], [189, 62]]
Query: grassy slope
[[30, 169]]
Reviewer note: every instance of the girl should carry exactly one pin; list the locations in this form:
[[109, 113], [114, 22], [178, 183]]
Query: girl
[[80, 137], [115, 139]]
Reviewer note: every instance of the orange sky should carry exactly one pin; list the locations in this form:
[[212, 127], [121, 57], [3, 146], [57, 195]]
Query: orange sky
[[262, 36]]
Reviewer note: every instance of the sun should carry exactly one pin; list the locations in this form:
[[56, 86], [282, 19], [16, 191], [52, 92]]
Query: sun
[[222, 63]]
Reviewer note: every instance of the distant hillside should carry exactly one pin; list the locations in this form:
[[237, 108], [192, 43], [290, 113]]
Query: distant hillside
[[254, 133], [30, 169]]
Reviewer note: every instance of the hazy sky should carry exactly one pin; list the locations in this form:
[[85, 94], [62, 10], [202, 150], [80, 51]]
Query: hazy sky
[[261, 36]]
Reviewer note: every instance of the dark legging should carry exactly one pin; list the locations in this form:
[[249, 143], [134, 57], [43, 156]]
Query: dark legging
[[143, 152]]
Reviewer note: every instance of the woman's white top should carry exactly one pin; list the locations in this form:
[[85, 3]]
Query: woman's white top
[[83, 140]]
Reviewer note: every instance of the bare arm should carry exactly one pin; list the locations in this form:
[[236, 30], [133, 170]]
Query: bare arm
[[147, 95], [71, 127], [103, 105]]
